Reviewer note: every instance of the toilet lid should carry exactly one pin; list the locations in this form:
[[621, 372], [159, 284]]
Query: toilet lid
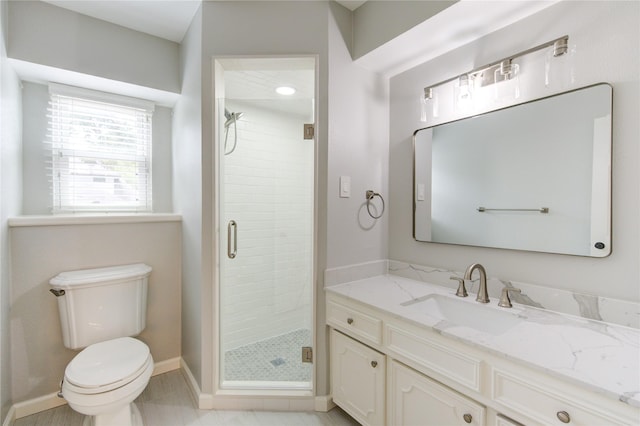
[[108, 365]]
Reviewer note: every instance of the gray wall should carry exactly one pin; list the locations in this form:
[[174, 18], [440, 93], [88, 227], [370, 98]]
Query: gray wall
[[254, 28], [37, 198], [287, 28], [10, 196], [187, 195], [56, 37], [33, 360], [38, 253], [377, 22], [359, 148], [605, 34]]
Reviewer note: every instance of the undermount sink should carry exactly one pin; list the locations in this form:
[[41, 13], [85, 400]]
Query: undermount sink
[[465, 313]]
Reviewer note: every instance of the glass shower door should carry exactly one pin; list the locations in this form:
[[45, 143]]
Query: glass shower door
[[266, 226]]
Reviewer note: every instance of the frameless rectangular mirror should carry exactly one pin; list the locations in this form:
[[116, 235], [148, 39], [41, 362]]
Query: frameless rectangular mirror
[[534, 176]]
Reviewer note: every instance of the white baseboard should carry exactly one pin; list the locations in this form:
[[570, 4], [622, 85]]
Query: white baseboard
[[46, 402], [35, 405], [166, 366], [10, 417], [324, 403], [203, 401]]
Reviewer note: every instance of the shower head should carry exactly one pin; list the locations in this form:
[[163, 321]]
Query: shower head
[[231, 117]]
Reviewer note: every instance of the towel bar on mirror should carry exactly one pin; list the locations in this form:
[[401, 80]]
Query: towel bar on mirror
[[540, 210]]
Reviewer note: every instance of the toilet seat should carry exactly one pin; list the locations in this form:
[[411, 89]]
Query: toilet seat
[[108, 365]]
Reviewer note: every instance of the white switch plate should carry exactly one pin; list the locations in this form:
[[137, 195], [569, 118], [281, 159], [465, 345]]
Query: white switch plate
[[345, 186]]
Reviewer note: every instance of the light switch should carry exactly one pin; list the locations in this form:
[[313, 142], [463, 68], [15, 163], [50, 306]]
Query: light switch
[[421, 192], [345, 186]]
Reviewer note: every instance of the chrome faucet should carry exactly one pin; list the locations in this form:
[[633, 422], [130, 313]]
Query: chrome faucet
[[483, 296]]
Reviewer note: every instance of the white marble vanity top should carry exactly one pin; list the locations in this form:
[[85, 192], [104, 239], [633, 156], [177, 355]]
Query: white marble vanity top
[[596, 355]]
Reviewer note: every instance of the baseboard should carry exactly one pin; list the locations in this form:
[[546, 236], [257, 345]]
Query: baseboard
[[166, 366], [324, 403], [10, 417], [203, 401], [36, 405], [46, 402]]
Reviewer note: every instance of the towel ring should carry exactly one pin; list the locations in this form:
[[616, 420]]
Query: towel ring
[[370, 196]]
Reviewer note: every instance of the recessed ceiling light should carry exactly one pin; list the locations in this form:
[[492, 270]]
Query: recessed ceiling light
[[285, 90]]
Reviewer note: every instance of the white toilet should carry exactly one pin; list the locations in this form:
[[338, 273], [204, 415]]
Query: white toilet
[[99, 309]]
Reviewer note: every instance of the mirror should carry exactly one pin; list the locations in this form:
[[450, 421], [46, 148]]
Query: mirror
[[534, 176]]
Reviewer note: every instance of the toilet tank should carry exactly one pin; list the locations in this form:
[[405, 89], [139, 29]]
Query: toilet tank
[[101, 304]]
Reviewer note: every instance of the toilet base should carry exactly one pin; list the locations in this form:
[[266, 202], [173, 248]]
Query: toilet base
[[129, 415]]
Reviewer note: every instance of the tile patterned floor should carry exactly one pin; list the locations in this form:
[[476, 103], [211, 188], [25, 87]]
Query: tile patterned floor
[[273, 360], [167, 402]]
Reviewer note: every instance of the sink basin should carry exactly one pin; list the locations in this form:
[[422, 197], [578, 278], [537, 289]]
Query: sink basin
[[466, 313]]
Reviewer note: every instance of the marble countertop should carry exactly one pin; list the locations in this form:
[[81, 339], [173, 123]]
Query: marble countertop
[[596, 355]]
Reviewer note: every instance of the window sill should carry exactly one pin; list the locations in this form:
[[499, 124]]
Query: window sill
[[92, 219]]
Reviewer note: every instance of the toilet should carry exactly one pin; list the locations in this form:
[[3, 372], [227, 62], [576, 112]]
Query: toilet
[[100, 309]]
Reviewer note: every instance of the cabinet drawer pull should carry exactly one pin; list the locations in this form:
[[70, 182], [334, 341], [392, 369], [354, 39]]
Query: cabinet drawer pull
[[563, 416], [374, 364], [468, 418], [349, 321]]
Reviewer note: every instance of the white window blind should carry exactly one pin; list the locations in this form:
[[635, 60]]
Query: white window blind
[[100, 151]]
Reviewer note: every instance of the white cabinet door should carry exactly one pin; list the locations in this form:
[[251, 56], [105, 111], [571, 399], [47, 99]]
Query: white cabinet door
[[416, 400], [358, 379]]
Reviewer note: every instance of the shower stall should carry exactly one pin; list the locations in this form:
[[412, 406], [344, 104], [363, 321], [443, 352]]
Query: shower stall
[[266, 187]]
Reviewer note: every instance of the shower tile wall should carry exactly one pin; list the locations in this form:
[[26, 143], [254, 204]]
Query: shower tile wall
[[268, 183]]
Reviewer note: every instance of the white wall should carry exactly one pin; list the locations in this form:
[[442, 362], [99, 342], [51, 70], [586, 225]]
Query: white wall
[[37, 199], [268, 191], [38, 253], [187, 190], [605, 34], [10, 197], [48, 35]]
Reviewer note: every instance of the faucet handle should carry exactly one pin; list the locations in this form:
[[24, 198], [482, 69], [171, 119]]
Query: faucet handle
[[505, 302], [462, 291]]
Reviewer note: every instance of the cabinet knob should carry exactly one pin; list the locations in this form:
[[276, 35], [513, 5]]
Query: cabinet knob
[[563, 416], [374, 364], [349, 320], [468, 418]]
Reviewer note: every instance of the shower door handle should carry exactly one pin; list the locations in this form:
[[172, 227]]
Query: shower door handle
[[232, 249]]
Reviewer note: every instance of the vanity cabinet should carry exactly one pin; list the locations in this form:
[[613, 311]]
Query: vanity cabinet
[[414, 399], [433, 379], [358, 375]]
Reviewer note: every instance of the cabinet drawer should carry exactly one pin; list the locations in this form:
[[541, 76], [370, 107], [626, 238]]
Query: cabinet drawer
[[537, 402], [449, 363], [354, 322]]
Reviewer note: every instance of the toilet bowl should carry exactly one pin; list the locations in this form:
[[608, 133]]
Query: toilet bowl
[[104, 379], [100, 309]]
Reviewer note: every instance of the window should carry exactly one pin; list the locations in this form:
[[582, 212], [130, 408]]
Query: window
[[99, 150]]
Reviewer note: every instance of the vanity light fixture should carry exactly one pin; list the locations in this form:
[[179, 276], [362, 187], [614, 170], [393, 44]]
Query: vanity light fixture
[[285, 90], [428, 93], [495, 72], [464, 97]]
